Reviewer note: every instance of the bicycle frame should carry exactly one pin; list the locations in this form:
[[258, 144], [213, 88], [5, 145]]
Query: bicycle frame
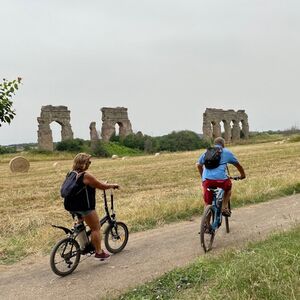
[[65, 255], [109, 217], [218, 194]]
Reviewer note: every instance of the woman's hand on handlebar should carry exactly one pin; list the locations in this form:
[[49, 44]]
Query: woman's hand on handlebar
[[115, 186]]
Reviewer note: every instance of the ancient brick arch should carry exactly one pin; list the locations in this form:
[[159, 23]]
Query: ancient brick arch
[[234, 122], [111, 117], [49, 114]]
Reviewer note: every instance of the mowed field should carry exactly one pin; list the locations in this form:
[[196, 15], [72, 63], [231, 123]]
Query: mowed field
[[154, 190]]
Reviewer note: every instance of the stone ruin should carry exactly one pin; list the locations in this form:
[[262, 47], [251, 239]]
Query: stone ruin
[[49, 114], [111, 117], [235, 124], [61, 115]]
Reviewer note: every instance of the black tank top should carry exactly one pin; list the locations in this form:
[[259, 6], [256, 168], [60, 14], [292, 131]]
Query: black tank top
[[84, 200]]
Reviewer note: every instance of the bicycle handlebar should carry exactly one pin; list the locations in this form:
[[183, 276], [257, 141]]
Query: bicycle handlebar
[[236, 178]]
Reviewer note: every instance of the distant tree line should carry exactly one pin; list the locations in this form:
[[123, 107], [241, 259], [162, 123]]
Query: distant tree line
[[7, 149], [137, 143], [175, 141]]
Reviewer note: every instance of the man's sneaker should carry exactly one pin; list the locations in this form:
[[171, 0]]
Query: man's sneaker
[[226, 212], [102, 256]]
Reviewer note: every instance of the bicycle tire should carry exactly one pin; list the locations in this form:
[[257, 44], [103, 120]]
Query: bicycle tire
[[65, 257], [227, 224], [227, 220], [207, 239], [116, 237]]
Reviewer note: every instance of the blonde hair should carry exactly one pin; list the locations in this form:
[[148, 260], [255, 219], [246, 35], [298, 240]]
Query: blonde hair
[[81, 162]]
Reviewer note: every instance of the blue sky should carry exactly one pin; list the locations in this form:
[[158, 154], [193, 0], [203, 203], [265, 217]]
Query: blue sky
[[166, 61]]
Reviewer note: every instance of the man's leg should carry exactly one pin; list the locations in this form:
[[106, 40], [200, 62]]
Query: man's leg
[[207, 195], [227, 195], [226, 186]]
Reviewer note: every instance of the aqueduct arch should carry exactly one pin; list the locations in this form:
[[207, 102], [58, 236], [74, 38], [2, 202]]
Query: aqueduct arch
[[111, 117], [49, 114], [212, 119]]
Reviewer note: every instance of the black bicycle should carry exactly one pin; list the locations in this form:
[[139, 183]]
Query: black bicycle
[[65, 255], [212, 218]]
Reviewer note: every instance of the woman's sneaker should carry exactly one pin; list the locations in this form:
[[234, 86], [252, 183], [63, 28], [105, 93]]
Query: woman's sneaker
[[102, 256]]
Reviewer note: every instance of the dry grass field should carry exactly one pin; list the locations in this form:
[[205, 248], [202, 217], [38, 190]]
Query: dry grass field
[[154, 190]]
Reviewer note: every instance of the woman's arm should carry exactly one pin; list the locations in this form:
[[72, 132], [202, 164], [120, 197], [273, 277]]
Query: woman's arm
[[92, 181]]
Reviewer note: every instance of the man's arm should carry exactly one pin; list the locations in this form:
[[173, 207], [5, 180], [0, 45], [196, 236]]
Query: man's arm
[[241, 170], [200, 169]]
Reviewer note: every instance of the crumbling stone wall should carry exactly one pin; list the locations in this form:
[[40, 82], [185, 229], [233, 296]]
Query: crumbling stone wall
[[234, 123], [111, 117], [49, 114]]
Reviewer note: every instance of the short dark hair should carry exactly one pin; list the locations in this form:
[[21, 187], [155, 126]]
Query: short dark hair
[[220, 141]]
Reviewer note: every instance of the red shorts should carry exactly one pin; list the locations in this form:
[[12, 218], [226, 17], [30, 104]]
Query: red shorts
[[208, 195]]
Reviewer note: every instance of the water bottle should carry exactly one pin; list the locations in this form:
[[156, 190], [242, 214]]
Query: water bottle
[[81, 236]]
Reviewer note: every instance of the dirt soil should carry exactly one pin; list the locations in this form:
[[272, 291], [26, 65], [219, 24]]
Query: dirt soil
[[148, 255]]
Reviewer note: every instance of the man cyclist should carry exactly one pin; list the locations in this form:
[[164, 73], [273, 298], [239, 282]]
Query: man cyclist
[[218, 176]]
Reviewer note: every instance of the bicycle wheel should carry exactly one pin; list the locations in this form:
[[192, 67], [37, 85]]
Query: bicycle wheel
[[65, 257], [116, 237], [206, 233]]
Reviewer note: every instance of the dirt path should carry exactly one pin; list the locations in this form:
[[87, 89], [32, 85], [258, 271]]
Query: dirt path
[[148, 255]]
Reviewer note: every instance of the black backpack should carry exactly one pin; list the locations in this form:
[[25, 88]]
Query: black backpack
[[70, 187], [212, 157]]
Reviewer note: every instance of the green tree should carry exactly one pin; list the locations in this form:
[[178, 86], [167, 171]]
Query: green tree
[[184, 140], [7, 90], [100, 149]]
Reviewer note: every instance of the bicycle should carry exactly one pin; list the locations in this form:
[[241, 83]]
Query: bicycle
[[212, 218], [65, 255]]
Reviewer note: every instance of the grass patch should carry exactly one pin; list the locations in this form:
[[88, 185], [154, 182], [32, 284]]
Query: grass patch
[[294, 138], [264, 270], [120, 150]]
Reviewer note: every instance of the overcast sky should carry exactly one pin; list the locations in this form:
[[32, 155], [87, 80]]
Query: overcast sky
[[165, 60]]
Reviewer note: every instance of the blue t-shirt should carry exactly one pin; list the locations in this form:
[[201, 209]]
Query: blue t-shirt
[[219, 173]]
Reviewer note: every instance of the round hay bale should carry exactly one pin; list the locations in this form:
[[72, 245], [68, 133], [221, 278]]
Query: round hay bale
[[114, 156], [19, 164]]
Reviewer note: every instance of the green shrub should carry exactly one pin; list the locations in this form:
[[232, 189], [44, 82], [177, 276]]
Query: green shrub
[[176, 141], [100, 150], [181, 141], [135, 141], [295, 138], [7, 149], [74, 145], [115, 138]]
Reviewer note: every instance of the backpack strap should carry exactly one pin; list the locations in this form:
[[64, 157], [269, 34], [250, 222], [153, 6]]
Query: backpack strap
[[78, 174]]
